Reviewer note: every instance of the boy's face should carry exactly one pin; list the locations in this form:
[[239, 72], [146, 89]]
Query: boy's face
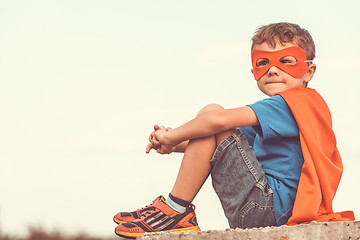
[[275, 80]]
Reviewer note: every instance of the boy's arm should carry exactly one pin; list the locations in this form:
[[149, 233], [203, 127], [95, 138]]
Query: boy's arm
[[205, 125]]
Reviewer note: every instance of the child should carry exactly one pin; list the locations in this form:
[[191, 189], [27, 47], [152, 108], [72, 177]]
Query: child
[[273, 162]]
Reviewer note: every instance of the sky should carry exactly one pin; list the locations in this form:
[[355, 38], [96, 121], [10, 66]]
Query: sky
[[82, 82]]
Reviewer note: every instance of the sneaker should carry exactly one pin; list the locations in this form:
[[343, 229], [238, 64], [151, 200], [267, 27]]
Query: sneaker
[[162, 219], [123, 217]]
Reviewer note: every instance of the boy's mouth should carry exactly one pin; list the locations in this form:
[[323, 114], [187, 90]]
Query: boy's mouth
[[273, 82]]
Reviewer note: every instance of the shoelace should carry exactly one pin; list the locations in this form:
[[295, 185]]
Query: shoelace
[[140, 209], [146, 214], [150, 205]]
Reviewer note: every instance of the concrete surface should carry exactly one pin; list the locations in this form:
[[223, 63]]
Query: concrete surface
[[328, 230]]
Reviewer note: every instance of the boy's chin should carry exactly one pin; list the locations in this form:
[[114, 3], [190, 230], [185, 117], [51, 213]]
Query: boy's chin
[[272, 92]]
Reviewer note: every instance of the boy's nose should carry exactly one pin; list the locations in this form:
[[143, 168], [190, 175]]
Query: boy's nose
[[273, 71]]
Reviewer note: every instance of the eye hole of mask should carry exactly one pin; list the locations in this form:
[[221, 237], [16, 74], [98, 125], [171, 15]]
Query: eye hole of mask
[[289, 60], [262, 62]]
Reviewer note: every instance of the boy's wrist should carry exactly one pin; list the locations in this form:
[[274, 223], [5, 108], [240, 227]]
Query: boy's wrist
[[170, 138], [173, 137]]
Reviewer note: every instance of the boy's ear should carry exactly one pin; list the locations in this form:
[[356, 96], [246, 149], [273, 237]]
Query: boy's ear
[[310, 72]]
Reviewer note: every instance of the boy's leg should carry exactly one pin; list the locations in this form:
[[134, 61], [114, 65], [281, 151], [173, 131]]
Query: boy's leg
[[195, 166], [194, 170]]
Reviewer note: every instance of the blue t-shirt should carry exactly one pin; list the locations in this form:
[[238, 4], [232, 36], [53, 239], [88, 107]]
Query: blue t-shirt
[[276, 144]]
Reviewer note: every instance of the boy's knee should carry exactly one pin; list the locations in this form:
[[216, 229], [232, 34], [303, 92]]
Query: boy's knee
[[210, 108]]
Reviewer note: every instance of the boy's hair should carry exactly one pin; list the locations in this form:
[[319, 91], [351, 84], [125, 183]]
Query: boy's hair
[[282, 33]]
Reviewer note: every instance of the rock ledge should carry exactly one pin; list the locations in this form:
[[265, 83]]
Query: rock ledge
[[327, 230]]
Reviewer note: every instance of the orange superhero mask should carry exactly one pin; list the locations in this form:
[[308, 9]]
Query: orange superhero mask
[[262, 61], [322, 169]]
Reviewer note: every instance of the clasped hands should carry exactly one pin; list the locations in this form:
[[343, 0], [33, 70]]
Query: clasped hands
[[159, 140]]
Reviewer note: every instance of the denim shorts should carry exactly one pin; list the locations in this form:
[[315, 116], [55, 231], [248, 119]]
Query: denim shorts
[[241, 185]]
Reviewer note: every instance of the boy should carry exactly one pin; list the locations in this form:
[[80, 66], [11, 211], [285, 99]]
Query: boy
[[273, 162]]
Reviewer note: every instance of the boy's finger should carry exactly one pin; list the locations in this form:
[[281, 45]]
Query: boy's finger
[[156, 127], [152, 135], [148, 148]]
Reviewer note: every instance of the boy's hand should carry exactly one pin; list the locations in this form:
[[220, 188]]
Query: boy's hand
[[158, 141], [154, 143], [162, 136]]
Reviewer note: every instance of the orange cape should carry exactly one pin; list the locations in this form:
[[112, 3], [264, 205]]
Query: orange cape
[[322, 169]]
